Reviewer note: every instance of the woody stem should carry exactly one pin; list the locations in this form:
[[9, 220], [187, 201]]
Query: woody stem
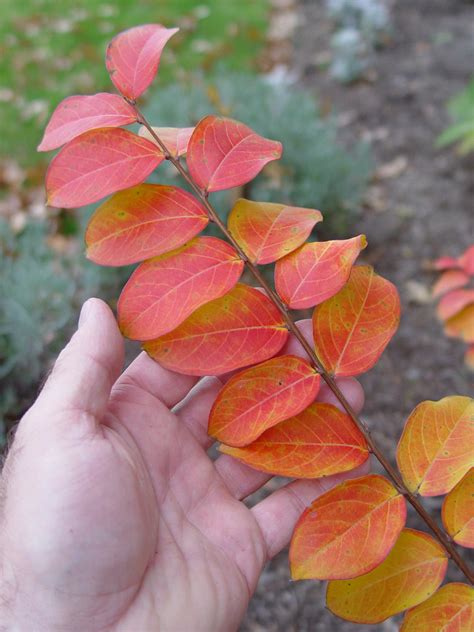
[[440, 534]]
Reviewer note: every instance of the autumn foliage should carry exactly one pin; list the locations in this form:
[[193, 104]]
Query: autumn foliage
[[455, 291], [186, 301]]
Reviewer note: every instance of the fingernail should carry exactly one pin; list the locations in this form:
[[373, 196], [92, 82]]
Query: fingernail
[[85, 313]]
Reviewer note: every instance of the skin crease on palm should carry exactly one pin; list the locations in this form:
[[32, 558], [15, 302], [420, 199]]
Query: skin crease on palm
[[113, 516]]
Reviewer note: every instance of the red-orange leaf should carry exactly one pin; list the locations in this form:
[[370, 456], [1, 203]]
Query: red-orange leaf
[[165, 290], [316, 271], [411, 573], [466, 260], [97, 163], [133, 57], [260, 397], [266, 232], [352, 328], [176, 139], [435, 449], [469, 357], [320, 441], [450, 609], [78, 114], [241, 328], [347, 531], [445, 263], [461, 325], [454, 302], [143, 222], [223, 153], [450, 280], [458, 511]]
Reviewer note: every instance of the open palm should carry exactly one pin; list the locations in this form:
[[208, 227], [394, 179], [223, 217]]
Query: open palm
[[115, 518]]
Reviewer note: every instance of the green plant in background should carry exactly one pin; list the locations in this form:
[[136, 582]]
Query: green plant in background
[[361, 26], [316, 170], [461, 111], [41, 292], [49, 49]]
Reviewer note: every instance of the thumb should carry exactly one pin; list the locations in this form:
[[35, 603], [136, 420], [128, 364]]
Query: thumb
[[86, 368]]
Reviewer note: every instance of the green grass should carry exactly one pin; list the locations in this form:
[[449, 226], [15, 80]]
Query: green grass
[[50, 49]]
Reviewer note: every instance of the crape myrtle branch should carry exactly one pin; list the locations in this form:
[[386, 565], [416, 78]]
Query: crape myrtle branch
[[444, 539]]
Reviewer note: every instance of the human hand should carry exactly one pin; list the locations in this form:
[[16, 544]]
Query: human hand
[[113, 515]]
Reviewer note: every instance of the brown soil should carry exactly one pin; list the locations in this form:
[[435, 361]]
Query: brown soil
[[421, 210]]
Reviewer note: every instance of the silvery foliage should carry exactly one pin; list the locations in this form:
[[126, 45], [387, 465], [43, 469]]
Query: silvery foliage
[[360, 27]]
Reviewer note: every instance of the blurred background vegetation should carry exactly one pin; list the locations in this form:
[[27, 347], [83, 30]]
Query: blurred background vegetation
[[52, 49]]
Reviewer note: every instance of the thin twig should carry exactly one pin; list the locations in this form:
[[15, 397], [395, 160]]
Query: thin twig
[[440, 534]]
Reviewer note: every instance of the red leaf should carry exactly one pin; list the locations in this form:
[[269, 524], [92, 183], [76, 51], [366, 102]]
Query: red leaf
[[352, 328], [320, 441], [176, 139], [260, 397], [78, 114], [449, 280], [316, 271], [266, 232], [435, 449], [143, 222], [98, 163], [466, 260], [454, 302], [445, 263], [164, 291], [223, 153], [347, 531], [133, 57], [241, 328]]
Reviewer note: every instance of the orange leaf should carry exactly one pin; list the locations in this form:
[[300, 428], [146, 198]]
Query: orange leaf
[[454, 302], [469, 357], [133, 57], [223, 153], [143, 222], [458, 511], [411, 573], [320, 441], [450, 609], [449, 280], [260, 397], [316, 271], [352, 328], [466, 260], [266, 232], [347, 531], [461, 325], [78, 114], [435, 449], [176, 139], [97, 163], [241, 328], [165, 290]]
